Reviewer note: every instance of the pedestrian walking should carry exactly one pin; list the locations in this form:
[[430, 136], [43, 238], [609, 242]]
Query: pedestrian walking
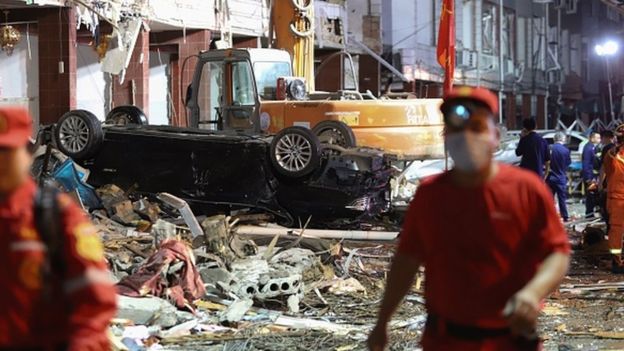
[[533, 148], [613, 168], [56, 290], [488, 236], [590, 174], [557, 177]]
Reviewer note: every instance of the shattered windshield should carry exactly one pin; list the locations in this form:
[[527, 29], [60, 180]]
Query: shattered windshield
[[266, 77]]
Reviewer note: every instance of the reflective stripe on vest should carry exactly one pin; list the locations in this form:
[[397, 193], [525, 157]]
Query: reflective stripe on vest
[[91, 276], [28, 245]]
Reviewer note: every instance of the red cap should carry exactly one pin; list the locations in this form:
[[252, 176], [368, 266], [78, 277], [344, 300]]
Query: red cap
[[482, 95], [15, 127]]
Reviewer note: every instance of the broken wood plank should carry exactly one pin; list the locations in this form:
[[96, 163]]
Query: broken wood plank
[[592, 287], [317, 233]]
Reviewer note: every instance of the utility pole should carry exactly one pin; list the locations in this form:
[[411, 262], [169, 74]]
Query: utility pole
[[546, 30], [611, 114], [560, 80]]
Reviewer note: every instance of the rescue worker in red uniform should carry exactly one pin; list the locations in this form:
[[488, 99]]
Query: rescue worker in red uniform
[[40, 311], [488, 236], [613, 168]]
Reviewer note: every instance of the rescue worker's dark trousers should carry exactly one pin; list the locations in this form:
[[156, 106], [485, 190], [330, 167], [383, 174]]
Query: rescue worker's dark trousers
[[560, 190], [591, 201]]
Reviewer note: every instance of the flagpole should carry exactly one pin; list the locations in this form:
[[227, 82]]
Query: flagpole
[[500, 62]]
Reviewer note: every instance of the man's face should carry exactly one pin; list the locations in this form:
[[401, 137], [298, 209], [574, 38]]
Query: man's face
[[14, 168], [595, 139], [473, 141]]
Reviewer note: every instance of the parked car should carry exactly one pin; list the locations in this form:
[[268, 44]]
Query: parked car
[[505, 154], [289, 174], [419, 170]]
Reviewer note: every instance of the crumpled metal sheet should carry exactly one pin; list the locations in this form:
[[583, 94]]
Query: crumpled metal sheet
[[169, 273], [122, 44]]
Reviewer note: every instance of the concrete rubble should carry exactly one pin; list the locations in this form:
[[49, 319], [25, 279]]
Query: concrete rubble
[[220, 282], [157, 247]]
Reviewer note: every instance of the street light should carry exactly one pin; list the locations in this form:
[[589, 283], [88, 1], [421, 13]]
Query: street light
[[606, 50]]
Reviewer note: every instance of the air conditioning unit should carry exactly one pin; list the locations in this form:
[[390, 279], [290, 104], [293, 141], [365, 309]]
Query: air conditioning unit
[[467, 59], [488, 62]]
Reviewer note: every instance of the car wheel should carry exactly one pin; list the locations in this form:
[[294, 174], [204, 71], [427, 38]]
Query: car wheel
[[295, 152], [78, 134], [127, 114], [335, 133]]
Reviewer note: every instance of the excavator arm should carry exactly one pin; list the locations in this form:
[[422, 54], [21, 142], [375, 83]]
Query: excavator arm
[[293, 26]]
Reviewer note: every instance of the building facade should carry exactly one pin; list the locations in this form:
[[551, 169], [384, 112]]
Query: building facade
[[62, 62], [520, 51], [580, 90]]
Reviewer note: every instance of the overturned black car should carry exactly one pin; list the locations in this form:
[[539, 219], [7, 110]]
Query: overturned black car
[[291, 174]]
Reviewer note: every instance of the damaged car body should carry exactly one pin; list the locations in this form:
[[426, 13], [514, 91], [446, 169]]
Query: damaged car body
[[212, 171], [225, 160]]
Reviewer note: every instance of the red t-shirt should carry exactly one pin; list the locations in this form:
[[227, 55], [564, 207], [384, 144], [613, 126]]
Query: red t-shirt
[[480, 245]]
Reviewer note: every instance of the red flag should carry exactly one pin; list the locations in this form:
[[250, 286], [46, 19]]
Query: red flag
[[446, 43]]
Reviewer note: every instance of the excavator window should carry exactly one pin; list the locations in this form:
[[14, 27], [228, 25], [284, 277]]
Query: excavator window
[[243, 91], [210, 95], [266, 77]]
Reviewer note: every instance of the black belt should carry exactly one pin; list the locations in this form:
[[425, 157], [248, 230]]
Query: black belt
[[465, 332]]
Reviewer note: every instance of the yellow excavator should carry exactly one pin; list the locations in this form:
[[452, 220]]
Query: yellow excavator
[[408, 128], [267, 90]]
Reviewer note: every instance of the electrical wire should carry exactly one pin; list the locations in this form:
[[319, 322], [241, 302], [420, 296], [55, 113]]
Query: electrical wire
[[424, 26]]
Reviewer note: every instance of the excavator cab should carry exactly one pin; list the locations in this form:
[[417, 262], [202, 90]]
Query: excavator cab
[[223, 95]]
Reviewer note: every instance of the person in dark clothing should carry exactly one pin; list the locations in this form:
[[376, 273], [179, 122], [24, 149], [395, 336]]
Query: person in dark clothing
[[557, 178], [589, 174], [533, 148], [608, 142]]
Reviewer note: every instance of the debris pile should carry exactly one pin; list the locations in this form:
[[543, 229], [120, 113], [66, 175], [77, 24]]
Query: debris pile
[[189, 282]]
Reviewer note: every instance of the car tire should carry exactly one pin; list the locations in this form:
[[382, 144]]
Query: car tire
[[127, 114], [78, 134], [335, 133], [295, 152]]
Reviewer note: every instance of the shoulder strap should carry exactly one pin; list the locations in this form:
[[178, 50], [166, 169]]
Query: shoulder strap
[[48, 224]]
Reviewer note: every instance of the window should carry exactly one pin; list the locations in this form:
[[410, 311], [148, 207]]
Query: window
[[468, 24], [266, 77], [488, 25], [612, 14], [209, 92], [242, 84], [509, 34], [574, 143], [571, 6]]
